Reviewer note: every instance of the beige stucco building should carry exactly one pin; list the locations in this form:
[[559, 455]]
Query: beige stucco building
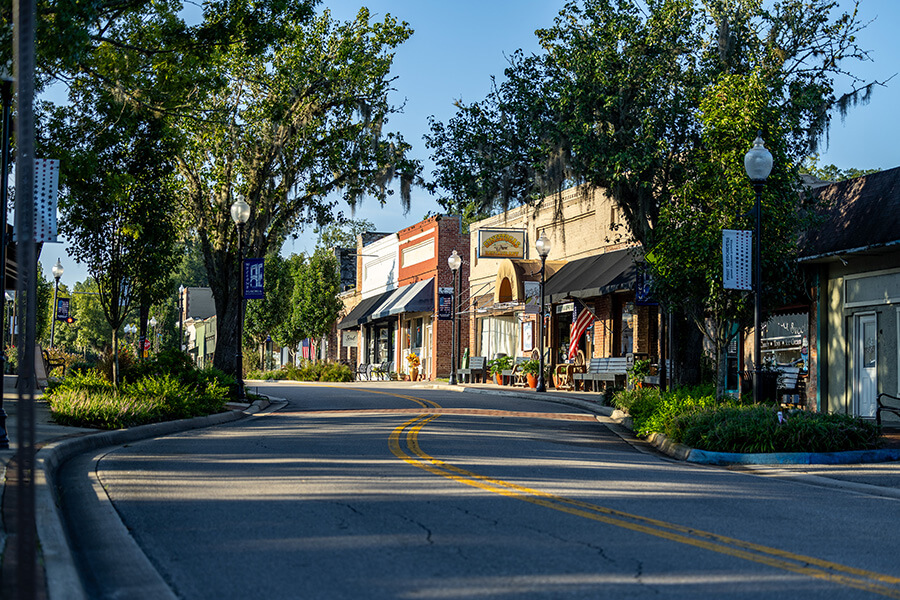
[[591, 264]]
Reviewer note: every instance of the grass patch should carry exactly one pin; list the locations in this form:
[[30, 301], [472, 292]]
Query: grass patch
[[695, 418]]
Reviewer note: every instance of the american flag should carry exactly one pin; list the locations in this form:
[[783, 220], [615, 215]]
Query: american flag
[[583, 319]]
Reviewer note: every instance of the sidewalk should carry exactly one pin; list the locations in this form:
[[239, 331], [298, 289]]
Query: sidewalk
[[44, 431]]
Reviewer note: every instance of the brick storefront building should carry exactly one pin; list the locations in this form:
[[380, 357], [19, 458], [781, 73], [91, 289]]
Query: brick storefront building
[[399, 278]]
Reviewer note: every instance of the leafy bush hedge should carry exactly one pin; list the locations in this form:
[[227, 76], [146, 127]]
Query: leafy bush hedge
[[308, 371], [693, 417], [164, 388]]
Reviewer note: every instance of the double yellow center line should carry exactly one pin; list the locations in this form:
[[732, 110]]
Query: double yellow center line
[[408, 435]]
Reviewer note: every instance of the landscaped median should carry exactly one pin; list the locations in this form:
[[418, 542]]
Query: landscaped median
[[691, 425], [165, 388]]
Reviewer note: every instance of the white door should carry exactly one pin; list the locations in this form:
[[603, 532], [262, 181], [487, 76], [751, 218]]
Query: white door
[[427, 363], [865, 360]]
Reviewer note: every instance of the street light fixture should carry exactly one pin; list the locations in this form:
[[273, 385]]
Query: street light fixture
[[240, 214], [152, 323], [758, 165], [454, 261], [57, 271], [543, 249]]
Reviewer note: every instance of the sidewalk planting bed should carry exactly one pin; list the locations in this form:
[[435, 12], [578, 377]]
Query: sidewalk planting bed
[[165, 388], [693, 417]]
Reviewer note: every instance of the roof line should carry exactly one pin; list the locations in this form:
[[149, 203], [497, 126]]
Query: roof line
[[848, 251]]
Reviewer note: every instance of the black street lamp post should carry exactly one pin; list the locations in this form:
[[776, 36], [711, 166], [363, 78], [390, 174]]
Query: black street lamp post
[[543, 249], [454, 261], [6, 90], [240, 214], [758, 165], [57, 271]]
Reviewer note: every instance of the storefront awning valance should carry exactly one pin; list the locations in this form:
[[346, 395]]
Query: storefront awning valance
[[417, 297], [360, 313], [593, 276]]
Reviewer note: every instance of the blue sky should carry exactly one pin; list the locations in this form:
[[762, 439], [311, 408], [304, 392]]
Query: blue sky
[[459, 44]]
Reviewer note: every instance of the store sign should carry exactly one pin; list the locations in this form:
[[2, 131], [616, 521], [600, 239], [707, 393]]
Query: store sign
[[566, 307], [736, 259], [349, 338], [501, 243]]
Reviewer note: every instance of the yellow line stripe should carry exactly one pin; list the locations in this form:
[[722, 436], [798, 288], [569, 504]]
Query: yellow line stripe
[[773, 557], [788, 561]]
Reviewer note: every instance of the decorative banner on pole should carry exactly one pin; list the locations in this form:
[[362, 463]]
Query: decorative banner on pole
[[642, 288], [445, 304], [737, 248], [46, 183], [62, 309], [254, 269], [532, 297]]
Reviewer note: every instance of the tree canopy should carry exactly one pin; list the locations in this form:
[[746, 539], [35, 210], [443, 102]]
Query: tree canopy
[[260, 100], [656, 101]]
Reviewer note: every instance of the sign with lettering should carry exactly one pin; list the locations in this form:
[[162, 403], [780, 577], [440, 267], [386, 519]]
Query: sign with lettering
[[62, 309], [445, 303], [501, 243], [737, 246], [254, 269]]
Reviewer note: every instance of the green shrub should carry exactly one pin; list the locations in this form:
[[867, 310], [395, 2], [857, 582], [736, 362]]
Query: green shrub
[[337, 372], [757, 429], [86, 398], [693, 417], [307, 371], [127, 361]]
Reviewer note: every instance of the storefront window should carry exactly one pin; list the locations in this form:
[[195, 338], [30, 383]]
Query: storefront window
[[785, 340], [381, 342]]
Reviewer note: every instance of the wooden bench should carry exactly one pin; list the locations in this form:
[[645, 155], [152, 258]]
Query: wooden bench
[[476, 371], [612, 369], [509, 376], [363, 371], [881, 406]]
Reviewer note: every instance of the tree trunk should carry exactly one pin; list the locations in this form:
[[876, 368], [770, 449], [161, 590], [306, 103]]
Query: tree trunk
[[687, 351], [115, 363], [224, 280]]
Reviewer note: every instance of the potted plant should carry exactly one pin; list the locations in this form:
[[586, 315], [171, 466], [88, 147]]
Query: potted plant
[[412, 359], [531, 368], [638, 371], [498, 365]]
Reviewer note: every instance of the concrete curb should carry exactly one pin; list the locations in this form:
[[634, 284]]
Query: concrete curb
[[62, 576]]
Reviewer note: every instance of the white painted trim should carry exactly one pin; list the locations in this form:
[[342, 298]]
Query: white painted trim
[[867, 275]]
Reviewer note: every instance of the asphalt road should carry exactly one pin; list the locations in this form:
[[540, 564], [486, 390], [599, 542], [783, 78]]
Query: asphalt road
[[354, 493]]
